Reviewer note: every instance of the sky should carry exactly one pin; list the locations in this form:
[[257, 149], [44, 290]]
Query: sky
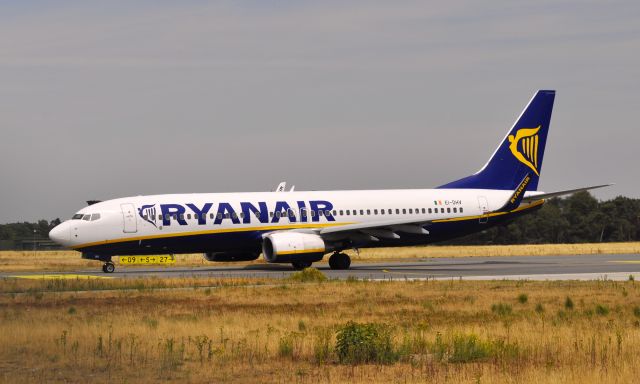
[[106, 99]]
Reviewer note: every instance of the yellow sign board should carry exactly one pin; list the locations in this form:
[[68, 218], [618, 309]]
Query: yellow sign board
[[153, 259]]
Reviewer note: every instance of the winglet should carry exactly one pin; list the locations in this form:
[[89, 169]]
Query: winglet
[[517, 196]]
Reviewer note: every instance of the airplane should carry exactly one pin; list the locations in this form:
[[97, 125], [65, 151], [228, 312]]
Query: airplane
[[301, 227]]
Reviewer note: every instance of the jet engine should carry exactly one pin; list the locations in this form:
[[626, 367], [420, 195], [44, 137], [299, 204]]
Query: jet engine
[[287, 247]]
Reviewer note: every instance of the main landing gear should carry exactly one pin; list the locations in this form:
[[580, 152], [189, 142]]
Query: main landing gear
[[301, 264], [108, 267], [339, 261]]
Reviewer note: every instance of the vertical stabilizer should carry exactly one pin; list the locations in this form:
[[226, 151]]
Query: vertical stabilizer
[[520, 152]]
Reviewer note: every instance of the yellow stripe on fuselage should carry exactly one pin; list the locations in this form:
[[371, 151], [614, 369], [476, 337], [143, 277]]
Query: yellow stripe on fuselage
[[532, 205], [207, 232]]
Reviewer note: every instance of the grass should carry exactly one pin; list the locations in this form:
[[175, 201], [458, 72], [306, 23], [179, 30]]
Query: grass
[[13, 261], [308, 275], [334, 331]]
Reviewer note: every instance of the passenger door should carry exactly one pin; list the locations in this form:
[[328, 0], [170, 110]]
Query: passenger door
[[130, 222], [484, 209]]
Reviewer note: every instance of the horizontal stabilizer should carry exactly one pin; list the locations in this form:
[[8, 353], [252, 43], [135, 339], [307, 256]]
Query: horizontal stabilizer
[[541, 196]]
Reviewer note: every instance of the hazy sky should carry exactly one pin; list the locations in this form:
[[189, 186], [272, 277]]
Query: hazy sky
[[107, 99]]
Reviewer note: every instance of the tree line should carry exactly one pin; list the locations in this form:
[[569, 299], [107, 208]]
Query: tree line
[[12, 234], [579, 218]]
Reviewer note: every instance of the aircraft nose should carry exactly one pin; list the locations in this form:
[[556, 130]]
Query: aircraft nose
[[61, 234]]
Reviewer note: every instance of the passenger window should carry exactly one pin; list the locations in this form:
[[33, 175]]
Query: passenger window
[[335, 213], [375, 211], [327, 213], [423, 210], [430, 210], [410, 210], [441, 210], [348, 212], [362, 212], [460, 209], [313, 213], [189, 216], [390, 211], [455, 210], [368, 211], [95, 216], [182, 216], [448, 210], [382, 211], [241, 215], [320, 213], [417, 210], [219, 215], [341, 212], [404, 211], [397, 211]]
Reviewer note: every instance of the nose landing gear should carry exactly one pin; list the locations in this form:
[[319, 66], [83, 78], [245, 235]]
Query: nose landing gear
[[108, 266], [339, 261]]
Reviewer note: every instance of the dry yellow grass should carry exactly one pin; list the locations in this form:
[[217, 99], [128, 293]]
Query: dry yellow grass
[[11, 261], [498, 250], [277, 333]]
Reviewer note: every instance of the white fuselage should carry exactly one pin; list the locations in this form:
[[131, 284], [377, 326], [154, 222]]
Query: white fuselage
[[142, 218]]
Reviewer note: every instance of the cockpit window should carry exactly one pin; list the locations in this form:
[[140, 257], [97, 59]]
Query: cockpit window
[[95, 216], [77, 216], [86, 217]]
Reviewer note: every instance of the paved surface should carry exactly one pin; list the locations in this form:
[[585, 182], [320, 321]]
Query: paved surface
[[580, 267]]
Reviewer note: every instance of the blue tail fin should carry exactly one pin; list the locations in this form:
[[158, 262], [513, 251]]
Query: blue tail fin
[[520, 153]]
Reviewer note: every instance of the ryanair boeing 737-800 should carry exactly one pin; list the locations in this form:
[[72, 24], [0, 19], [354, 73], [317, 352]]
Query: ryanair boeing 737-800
[[301, 227]]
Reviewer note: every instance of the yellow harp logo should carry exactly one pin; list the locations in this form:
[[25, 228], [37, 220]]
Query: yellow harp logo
[[524, 146]]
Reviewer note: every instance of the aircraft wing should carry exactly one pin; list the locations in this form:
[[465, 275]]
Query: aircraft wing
[[541, 196], [390, 226]]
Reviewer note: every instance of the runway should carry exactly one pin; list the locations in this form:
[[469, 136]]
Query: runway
[[578, 267]]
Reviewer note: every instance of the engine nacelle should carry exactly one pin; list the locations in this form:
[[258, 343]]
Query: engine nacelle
[[286, 247], [230, 256]]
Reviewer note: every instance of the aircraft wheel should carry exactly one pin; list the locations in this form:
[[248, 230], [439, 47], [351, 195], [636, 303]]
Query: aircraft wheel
[[339, 261], [108, 268], [301, 264]]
